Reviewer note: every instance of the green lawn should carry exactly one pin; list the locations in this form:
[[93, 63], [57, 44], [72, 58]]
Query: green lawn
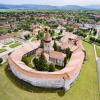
[[2, 50], [28, 60], [9, 43], [85, 88], [4, 30], [15, 44], [98, 51]]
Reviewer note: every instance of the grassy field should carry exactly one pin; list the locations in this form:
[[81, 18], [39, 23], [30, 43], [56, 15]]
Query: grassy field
[[85, 88], [2, 50], [98, 51], [15, 44], [28, 60]]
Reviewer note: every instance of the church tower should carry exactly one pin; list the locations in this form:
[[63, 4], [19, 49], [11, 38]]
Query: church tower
[[47, 42]]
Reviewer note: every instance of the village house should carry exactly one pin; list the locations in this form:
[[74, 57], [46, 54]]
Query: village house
[[36, 29], [6, 39], [59, 28], [24, 33]]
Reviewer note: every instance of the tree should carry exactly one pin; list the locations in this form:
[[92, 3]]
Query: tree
[[36, 63], [1, 60], [41, 63], [61, 31], [68, 53], [52, 32], [55, 46], [9, 31], [94, 32], [15, 30], [42, 44], [27, 36], [69, 28], [92, 39], [40, 35], [65, 60], [51, 67]]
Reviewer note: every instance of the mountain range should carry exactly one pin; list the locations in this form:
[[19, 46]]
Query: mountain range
[[66, 7]]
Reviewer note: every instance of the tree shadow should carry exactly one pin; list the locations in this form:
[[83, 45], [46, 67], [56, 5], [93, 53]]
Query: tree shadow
[[28, 87], [61, 92]]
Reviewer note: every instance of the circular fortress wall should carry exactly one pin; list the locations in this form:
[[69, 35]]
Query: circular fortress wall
[[57, 79]]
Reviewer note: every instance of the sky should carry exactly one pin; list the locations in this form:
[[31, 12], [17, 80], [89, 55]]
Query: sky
[[53, 2]]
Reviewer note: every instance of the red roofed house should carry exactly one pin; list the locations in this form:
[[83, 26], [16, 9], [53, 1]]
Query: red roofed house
[[5, 39]]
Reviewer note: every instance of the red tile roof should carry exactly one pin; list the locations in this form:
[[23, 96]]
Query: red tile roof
[[4, 37], [57, 55]]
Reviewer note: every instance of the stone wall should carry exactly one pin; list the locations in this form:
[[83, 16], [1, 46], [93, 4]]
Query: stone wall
[[47, 83]]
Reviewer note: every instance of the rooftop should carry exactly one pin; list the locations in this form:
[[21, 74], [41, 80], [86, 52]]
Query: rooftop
[[4, 37], [55, 54]]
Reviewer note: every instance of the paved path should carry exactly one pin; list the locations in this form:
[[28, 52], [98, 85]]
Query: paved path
[[98, 69], [98, 65], [95, 52]]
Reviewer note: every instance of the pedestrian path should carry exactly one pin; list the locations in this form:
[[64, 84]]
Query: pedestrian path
[[98, 65]]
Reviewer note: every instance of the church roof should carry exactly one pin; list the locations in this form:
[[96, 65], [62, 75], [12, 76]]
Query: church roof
[[57, 55]]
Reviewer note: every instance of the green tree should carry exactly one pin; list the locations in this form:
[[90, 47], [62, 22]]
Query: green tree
[[27, 36], [52, 32], [68, 53], [51, 67], [36, 63], [42, 44], [94, 32], [92, 39], [40, 35], [41, 63], [55, 46], [65, 60]]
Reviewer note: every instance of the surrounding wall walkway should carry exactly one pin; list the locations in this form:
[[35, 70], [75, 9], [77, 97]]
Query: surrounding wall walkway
[[57, 79]]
